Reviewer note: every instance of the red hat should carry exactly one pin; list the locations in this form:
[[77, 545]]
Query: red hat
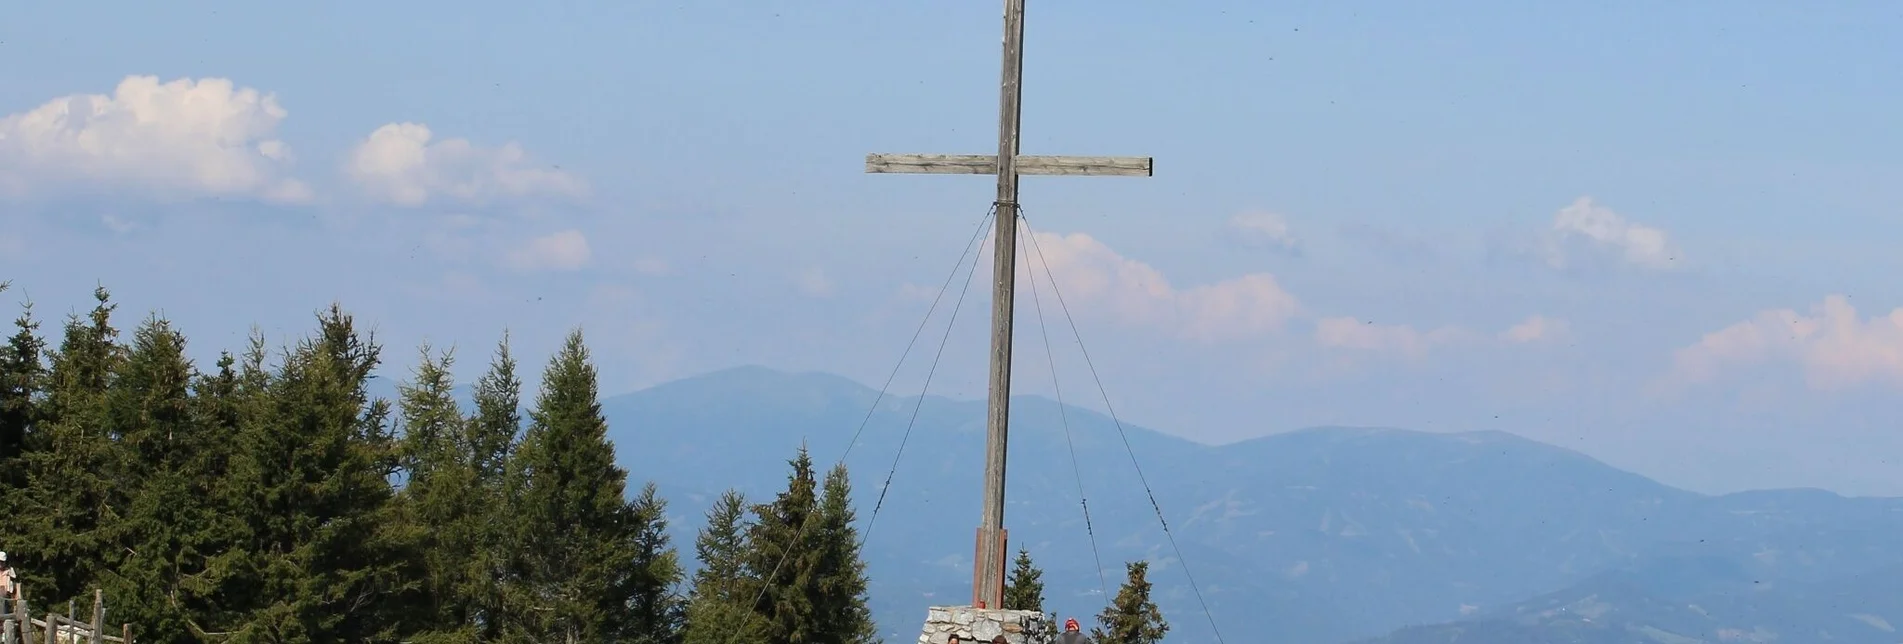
[[1070, 624]]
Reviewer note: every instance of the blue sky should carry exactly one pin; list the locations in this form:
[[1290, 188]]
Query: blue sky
[[1579, 224]]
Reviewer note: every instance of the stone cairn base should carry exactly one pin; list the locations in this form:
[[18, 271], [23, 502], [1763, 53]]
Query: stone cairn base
[[980, 625]]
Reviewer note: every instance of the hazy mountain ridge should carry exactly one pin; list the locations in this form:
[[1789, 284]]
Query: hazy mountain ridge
[[1318, 535], [1688, 600]]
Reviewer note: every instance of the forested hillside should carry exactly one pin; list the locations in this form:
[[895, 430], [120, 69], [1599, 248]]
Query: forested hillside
[[269, 498]]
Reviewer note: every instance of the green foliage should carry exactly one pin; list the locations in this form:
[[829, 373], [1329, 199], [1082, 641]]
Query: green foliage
[[581, 565], [173, 519], [271, 498], [21, 378], [329, 556], [492, 431], [803, 563], [717, 608], [440, 492], [69, 500], [1025, 590], [1131, 618], [655, 611], [841, 575], [783, 559], [22, 381]]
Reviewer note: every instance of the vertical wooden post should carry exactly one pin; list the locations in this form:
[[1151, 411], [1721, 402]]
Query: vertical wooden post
[[1004, 295], [17, 616], [26, 615], [125, 633], [99, 616], [52, 632]]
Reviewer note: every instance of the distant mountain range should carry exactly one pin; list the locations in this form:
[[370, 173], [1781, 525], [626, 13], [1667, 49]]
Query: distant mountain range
[[1688, 600], [1322, 535]]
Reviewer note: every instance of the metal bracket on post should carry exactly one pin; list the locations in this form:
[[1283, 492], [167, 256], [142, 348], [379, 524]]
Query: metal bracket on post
[[1004, 537]]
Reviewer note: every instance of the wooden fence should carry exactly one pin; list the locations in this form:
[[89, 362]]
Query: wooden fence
[[18, 626]]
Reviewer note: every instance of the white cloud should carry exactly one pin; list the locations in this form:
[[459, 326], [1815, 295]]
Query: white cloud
[[1587, 227], [1832, 345], [1264, 229], [565, 251], [1248, 307], [179, 139], [1537, 328], [1358, 335], [399, 164], [1089, 272], [813, 282]]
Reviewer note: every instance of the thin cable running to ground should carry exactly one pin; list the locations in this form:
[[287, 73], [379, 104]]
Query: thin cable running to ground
[[909, 424], [1126, 437], [808, 521], [1063, 415]]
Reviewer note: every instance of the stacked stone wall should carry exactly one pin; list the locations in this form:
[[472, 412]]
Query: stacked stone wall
[[980, 625]]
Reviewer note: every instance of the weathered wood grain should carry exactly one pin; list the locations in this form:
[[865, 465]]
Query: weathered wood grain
[[1027, 164]]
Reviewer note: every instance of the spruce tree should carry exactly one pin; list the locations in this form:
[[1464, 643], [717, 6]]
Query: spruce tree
[[210, 568], [332, 558], [841, 603], [1026, 588], [441, 494], [717, 608], [783, 560], [804, 554], [22, 381], [71, 494], [492, 431], [21, 375], [1131, 618], [171, 519], [576, 530], [655, 610]]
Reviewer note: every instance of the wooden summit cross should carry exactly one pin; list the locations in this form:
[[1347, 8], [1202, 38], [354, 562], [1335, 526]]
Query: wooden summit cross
[[988, 574]]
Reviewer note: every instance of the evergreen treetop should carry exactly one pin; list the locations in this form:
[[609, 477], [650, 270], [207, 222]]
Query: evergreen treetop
[[1026, 588], [1131, 618]]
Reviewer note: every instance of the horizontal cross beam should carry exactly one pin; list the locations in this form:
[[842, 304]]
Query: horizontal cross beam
[[1026, 165]]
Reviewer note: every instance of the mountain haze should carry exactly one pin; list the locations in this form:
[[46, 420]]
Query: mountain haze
[[1687, 600], [1319, 535]]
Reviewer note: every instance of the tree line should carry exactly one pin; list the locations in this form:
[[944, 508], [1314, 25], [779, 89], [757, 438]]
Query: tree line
[[272, 498]]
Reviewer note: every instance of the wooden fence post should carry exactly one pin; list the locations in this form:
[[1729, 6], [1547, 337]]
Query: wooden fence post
[[125, 633], [26, 615], [99, 616]]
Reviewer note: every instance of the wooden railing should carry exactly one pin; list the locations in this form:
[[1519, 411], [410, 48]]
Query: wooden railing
[[18, 626]]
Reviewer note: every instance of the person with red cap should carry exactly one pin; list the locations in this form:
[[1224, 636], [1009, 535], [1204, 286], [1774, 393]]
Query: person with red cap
[[1072, 633]]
